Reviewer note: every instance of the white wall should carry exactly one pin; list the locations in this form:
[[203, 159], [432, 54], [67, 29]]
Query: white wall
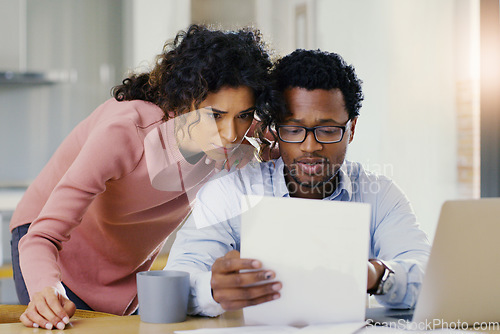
[[226, 14], [404, 52], [80, 40], [277, 22], [148, 25]]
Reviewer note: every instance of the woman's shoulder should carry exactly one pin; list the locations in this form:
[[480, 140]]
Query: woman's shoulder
[[125, 122], [142, 113]]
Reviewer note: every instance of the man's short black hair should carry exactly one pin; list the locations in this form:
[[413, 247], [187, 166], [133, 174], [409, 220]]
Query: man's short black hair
[[315, 69]]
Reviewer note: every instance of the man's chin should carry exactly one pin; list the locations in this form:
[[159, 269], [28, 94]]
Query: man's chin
[[312, 182]]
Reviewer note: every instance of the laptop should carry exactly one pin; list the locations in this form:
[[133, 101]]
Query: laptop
[[462, 282]]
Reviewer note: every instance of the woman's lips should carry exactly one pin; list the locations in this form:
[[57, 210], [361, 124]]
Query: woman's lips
[[223, 150]]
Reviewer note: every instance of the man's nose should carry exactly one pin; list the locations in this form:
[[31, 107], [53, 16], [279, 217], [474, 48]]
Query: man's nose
[[310, 144]]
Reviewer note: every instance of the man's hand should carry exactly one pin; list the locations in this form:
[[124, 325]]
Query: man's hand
[[375, 272], [234, 290], [48, 309]]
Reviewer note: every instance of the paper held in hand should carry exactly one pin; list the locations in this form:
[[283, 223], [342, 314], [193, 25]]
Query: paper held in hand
[[319, 251]]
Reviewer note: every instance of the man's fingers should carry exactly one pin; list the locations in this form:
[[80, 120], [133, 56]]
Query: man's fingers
[[242, 279], [239, 304], [232, 299], [232, 262], [234, 289], [249, 293], [234, 254], [225, 266]]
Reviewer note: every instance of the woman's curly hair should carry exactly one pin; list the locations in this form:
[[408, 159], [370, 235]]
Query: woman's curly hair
[[315, 69], [200, 61]]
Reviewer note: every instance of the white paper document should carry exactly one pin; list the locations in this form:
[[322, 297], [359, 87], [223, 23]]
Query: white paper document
[[319, 251], [344, 328], [391, 330]]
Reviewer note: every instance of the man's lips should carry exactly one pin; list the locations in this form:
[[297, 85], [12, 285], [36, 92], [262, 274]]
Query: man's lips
[[311, 166]]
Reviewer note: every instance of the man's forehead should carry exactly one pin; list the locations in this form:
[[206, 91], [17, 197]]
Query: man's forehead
[[297, 96], [320, 104], [315, 117]]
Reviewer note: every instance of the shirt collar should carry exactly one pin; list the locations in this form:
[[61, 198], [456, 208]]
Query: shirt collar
[[280, 189], [278, 176], [344, 186]]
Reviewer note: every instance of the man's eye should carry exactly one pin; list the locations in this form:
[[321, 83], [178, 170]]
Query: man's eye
[[329, 131], [292, 131]]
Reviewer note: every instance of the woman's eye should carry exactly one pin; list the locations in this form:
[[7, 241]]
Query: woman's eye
[[214, 115], [246, 116]]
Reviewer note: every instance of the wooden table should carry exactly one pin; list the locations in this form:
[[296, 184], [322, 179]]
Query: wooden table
[[106, 324], [11, 313], [128, 325]]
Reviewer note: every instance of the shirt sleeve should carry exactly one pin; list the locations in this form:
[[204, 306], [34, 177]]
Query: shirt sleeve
[[110, 152], [209, 233], [398, 239]]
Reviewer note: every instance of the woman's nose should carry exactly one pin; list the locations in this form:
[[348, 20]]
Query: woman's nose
[[227, 131]]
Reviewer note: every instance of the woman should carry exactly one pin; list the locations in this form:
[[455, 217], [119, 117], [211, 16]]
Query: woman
[[122, 181]]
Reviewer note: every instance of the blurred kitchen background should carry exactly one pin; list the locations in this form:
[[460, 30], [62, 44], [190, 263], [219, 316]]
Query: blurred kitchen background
[[425, 122]]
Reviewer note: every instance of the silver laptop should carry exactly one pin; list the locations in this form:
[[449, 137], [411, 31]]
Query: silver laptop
[[462, 280]]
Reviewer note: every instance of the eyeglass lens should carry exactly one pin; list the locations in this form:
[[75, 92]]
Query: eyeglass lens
[[298, 134]]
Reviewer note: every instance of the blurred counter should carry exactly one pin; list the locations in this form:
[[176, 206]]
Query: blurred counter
[[9, 197]]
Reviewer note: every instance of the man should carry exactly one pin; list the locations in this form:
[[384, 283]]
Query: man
[[323, 97]]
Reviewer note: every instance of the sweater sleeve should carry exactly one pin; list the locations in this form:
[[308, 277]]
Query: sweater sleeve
[[110, 151]]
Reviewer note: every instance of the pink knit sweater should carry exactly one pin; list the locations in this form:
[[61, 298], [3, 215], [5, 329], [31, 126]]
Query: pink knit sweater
[[96, 219]]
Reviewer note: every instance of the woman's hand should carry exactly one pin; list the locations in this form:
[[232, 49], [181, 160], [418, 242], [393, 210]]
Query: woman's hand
[[268, 153], [48, 309], [239, 157]]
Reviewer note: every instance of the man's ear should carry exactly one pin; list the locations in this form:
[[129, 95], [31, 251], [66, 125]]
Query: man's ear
[[353, 127]]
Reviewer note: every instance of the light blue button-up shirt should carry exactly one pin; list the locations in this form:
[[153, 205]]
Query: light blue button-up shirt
[[213, 228]]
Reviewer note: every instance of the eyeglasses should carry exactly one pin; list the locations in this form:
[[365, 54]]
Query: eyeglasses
[[322, 134]]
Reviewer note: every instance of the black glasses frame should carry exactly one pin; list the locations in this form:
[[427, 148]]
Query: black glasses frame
[[313, 130]]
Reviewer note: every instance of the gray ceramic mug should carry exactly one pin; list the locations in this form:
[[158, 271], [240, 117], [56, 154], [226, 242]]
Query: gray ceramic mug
[[163, 295]]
